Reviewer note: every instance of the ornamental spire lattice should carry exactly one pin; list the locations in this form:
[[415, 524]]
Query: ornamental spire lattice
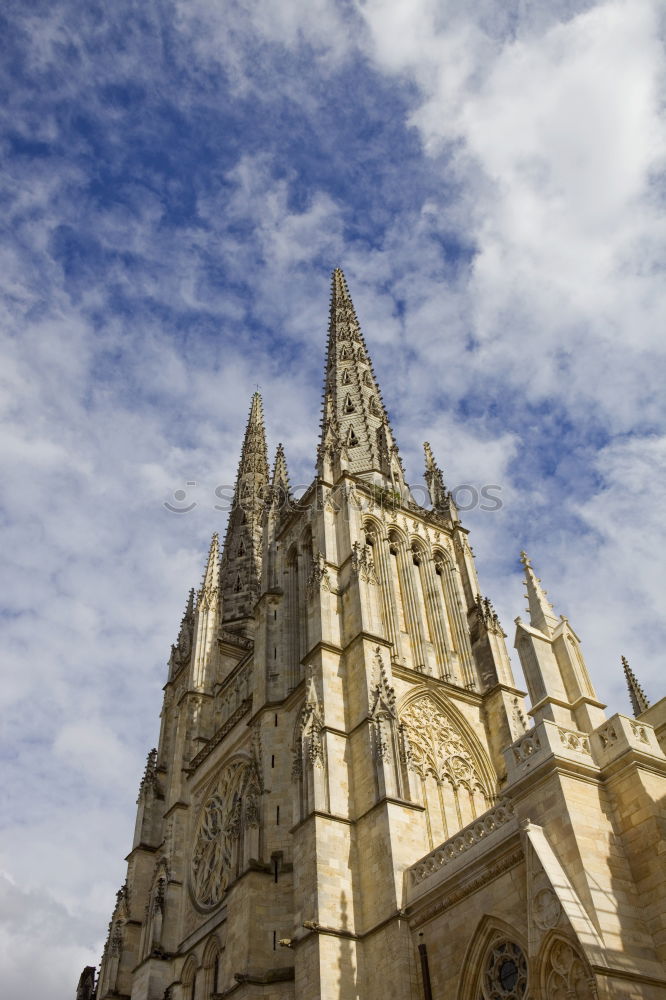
[[639, 702], [542, 616], [355, 424]]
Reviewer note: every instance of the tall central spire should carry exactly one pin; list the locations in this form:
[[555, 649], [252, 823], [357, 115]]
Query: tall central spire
[[240, 571], [355, 429]]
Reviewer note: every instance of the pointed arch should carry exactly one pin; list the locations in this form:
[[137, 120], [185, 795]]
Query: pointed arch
[[446, 767], [448, 707], [490, 931], [446, 570], [562, 970], [210, 963], [188, 977]]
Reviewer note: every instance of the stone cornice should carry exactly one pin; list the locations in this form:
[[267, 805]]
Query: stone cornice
[[215, 740]]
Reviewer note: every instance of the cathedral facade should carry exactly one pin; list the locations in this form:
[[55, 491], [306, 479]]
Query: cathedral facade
[[350, 799]]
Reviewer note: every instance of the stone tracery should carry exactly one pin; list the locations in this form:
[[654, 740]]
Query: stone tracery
[[230, 809], [437, 747]]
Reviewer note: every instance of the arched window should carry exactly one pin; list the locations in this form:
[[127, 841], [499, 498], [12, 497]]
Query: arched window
[[398, 583], [504, 975], [419, 556], [451, 774], [211, 960], [457, 631], [566, 973], [188, 978], [293, 616]]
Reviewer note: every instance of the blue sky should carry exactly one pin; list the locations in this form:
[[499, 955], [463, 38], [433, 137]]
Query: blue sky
[[179, 180]]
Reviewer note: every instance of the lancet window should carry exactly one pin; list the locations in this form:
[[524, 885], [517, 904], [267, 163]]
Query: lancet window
[[293, 618], [211, 960]]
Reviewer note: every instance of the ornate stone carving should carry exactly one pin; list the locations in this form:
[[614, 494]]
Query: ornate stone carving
[[607, 735], [382, 711], [318, 578], [567, 975], [230, 808], [149, 776], [573, 740], [526, 747], [546, 908], [182, 649], [639, 732], [437, 746], [470, 835], [487, 616], [363, 562], [505, 973], [309, 745], [518, 721]]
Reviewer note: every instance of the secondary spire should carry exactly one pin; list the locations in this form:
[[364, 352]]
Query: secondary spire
[[241, 559]]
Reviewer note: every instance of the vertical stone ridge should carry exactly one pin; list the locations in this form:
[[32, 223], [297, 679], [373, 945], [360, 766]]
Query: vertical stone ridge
[[639, 702], [355, 426], [541, 611], [240, 571]]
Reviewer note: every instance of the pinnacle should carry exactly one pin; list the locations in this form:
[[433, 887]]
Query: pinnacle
[[241, 561], [210, 572], [542, 616], [280, 470], [435, 481], [639, 702]]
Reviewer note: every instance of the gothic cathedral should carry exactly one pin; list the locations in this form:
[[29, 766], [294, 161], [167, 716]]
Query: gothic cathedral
[[350, 800]]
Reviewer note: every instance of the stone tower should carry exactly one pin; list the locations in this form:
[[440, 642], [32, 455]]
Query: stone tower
[[346, 801]]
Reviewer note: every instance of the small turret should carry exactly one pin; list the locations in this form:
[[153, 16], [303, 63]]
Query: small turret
[[541, 611], [557, 678], [639, 702], [280, 494]]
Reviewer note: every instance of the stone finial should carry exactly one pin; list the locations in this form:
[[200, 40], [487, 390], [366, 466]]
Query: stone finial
[[639, 702], [542, 616]]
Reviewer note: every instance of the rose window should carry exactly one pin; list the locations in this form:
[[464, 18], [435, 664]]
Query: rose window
[[505, 976], [229, 810]]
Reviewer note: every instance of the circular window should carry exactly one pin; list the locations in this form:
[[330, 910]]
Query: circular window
[[228, 810], [505, 975]]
